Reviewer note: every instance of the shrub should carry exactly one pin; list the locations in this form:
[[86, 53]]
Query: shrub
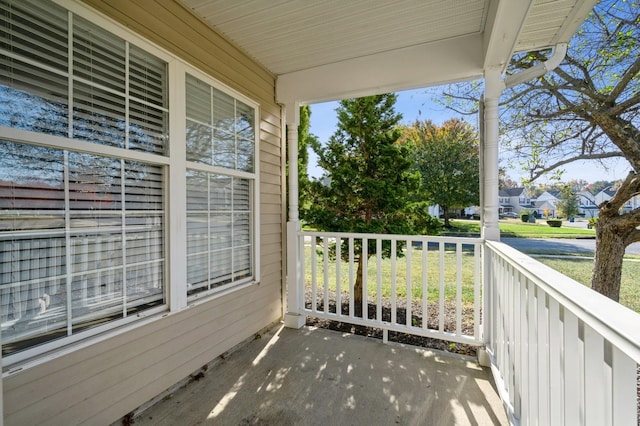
[[555, 223]]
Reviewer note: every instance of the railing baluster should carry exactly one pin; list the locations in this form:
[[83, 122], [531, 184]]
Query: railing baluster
[[441, 295], [425, 285], [476, 291], [597, 406], [365, 278], [378, 280], [325, 263], [409, 297], [351, 280], [556, 395], [533, 353], [572, 374], [543, 358], [338, 276], [624, 386], [394, 290], [458, 288], [314, 274]]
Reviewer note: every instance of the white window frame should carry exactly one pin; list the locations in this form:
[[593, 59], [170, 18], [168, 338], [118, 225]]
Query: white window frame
[[174, 166]]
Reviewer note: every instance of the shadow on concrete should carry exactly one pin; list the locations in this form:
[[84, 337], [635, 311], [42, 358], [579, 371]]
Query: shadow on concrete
[[320, 377]]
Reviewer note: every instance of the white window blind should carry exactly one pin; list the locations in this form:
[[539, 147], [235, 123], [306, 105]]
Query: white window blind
[[219, 133], [81, 233], [81, 241]]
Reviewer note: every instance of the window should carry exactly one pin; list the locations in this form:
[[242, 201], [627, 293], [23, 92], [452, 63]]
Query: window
[[84, 173], [220, 148], [81, 232]]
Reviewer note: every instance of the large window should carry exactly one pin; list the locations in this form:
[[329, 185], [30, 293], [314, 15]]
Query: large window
[[85, 167]]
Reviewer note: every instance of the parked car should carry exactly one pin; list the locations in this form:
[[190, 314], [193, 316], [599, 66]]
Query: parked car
[[510, 215]]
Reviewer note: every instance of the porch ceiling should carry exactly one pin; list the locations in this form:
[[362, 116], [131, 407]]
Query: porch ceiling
[[360, 47]]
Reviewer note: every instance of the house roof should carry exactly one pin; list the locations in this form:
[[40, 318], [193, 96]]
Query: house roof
[[511, 192], [358, 47]]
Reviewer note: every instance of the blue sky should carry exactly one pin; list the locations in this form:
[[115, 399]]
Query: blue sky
[[418, 104]]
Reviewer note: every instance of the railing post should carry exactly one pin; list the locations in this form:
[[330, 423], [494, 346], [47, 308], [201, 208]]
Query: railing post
[[293, 317]]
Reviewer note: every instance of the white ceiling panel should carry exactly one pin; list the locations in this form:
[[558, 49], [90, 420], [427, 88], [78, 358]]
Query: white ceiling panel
[[352, 42]]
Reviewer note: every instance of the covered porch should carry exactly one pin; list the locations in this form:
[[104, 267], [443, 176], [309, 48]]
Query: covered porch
[[313, 376]]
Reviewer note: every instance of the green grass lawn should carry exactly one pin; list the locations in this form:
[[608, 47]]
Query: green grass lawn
[[578, 269], [433, 275], [519, 229]]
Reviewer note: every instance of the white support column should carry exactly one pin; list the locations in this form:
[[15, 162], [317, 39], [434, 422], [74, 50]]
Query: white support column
[[292, 316], [494, 85]]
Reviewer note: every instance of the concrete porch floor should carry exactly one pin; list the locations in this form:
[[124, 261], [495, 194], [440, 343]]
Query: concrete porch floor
[[320, 377]]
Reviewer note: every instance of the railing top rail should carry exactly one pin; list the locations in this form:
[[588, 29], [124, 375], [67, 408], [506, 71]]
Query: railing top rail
[[397, 237], [616, 323]]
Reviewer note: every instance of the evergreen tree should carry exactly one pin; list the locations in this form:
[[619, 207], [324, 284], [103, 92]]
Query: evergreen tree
[[368, 179]]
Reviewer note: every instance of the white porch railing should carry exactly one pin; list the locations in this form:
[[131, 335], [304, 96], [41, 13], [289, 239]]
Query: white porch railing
[[409, 279], [561, 353]]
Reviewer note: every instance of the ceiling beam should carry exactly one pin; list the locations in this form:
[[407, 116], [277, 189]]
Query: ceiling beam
[[505, 20], [413, 67]]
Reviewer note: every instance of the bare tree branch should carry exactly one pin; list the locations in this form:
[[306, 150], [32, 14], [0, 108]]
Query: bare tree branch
[[599, 156]]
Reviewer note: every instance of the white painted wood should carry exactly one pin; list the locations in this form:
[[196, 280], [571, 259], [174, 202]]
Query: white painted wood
[[567, 368], [624, 384], [543, 357], [408, 288], [597, 401], [351, 275], [338, 275], [394, 289], [392, 323], [325, 275], [458, 288], [493, 89], [556, 391]]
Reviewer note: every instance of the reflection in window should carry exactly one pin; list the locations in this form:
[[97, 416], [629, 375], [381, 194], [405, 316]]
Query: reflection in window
[[219, 243], [72, 256], [119, 95], [220, 129]]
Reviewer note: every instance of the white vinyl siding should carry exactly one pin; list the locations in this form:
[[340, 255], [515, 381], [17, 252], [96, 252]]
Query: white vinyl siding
[[84, 199]]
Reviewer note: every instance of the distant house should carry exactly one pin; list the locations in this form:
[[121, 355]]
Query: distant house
[[514, 200], [608, 193], [545, 204], [587, 205]]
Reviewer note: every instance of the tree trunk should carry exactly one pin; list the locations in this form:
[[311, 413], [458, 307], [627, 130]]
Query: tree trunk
[[445, 212], [607, 267], [357, 288]]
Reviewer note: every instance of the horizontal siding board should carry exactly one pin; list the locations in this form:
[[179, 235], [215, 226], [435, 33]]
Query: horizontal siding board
[[110, 368], [108, 354]]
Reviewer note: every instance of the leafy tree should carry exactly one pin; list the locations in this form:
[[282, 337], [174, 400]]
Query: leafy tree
[[586, 109], [447, 157], [368, 178], [568, 204]]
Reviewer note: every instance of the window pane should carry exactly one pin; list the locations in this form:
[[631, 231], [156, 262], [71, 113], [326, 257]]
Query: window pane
[[68, 244], [98, 116], [220, 129], [199, 144], [31, 29], [219, 230], [98, 56]]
